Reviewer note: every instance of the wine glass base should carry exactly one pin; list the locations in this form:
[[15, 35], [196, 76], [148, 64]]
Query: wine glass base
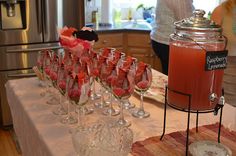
[[86, 110], [43, 94], [69, 120], [95, 96], [128, 105], [101, 105], [124, 123], [42, 84], [111, 112], [53, 101], [46, 92], [141, 114], [59, 111]]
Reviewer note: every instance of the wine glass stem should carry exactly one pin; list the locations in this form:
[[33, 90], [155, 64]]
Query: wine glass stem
[[81, 115], [94, 91], [110, 98], [60, 100], [102, 97], [69, 109], [141, 101], [121, 118]]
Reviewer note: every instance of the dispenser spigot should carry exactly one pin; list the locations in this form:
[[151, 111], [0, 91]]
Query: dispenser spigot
[[220, 104], [222, 101]]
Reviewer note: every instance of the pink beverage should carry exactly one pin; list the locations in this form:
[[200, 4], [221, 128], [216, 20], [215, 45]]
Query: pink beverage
[[187, 74]]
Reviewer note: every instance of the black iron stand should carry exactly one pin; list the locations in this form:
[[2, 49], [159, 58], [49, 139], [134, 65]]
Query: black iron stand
[[218, 106]]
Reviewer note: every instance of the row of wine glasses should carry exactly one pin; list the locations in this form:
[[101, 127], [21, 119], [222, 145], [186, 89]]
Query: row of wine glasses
[[57, 68], [74, 77], [120, 76]]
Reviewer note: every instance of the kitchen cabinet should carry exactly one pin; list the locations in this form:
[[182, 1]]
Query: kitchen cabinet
[[108, 39], [133, 43], [139, 46]]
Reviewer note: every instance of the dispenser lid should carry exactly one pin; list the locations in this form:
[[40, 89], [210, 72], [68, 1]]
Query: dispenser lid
[[197, 23]]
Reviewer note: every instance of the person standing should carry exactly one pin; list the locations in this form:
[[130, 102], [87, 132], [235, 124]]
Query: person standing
[[225, 15], [167, 12]]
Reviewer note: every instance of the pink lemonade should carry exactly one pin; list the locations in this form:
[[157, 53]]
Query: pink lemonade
[[187, 74]]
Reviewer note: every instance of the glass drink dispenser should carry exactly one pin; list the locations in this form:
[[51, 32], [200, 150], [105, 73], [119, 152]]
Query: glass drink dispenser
[[196, 63]]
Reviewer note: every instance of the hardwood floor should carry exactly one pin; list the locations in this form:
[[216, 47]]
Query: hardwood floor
[[7, 144]]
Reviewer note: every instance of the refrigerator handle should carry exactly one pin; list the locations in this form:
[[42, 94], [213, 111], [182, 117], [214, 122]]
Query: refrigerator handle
[[33, 49], [14, 76], [39, 15]]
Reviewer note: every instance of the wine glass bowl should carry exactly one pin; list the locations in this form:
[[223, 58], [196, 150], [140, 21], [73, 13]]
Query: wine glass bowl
[[123, 86]]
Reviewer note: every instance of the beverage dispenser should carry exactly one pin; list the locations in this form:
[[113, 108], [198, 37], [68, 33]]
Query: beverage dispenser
[[196, 63], [12, 14]]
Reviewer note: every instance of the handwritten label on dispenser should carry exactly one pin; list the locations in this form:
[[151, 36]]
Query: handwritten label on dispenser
[[216, 60]]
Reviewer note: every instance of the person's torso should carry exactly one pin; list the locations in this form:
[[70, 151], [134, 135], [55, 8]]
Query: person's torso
[[229, 30], [168, 12], [164, 24]]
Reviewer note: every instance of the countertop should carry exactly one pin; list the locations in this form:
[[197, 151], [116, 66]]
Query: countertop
[[123, 26]]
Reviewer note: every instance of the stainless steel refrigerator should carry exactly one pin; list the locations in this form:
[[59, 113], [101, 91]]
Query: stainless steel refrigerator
[[26, 27]]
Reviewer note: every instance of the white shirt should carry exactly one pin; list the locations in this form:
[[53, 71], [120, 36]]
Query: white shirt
[[168, 12]]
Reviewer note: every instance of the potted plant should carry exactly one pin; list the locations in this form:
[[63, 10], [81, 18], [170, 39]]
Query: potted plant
[[146, 11]]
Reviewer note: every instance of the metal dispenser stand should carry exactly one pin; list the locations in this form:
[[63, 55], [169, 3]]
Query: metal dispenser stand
[[218, 106]]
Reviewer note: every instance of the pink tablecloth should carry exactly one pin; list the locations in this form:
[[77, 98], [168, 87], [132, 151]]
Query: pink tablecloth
[[41, 134]]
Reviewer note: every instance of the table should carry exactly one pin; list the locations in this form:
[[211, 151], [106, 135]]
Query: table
[[41, 134]]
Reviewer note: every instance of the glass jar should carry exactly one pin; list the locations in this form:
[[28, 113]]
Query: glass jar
[[193, 40], [102, 137]]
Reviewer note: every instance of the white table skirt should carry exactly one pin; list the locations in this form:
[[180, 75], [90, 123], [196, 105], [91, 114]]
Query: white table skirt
[[41, 134]]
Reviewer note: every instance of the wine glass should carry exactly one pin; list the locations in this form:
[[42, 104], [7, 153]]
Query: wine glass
[[143, 80], [46, 72], [109, 74], [54, 69], [40, 64], [85, 63], [70, 118], [40, 59], [93, 72], [78, 92], [61, 86], [129, 61], [123, 87], [53, 79], [100, 66]]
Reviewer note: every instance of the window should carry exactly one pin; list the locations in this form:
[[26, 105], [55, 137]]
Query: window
[[208, 6], [112, 9]]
